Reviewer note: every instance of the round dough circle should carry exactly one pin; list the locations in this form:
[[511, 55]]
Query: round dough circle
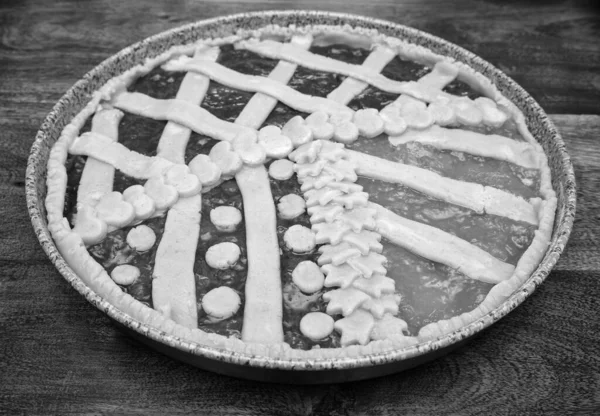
[[316, 325], [141, 238], [226, 218], [299, 239], [346, 133], [308, 277], [125, 274], [223, 255], [291, 206], [221, 303], [281, 169]]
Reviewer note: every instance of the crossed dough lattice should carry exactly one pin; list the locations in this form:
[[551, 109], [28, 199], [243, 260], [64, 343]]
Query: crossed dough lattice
[[348, 226]]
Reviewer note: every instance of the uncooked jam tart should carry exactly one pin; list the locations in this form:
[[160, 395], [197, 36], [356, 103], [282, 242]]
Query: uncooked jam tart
[[301, 192]]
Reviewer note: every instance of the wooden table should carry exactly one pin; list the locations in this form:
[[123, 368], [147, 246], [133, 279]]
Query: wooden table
[[59, 355]]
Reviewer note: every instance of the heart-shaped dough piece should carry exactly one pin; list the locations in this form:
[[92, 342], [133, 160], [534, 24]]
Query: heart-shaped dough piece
[[345, 130], [368, 122], [182, 178], [276, 144], [442, 113], [114, 210], [297, 131], [246, 146], [394, 123], [143, 205], [206, 170], [320, 126], [492, 115], [223, 155], [90, 228], [164, 195], [467, 112]]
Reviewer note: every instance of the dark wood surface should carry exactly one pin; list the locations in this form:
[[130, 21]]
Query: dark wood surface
[[59, 355]]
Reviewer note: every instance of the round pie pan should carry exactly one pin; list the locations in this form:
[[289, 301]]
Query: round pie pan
[[280, 370]]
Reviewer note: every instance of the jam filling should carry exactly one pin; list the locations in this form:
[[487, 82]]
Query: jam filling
[[114, 250], [295, 303], [430, 291], [207, 278]]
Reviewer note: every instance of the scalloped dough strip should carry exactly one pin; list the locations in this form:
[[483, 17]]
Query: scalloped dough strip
[[252, 83], [174, 284], [351, 87], [479, 198], [97, 176], [442, 247], [179, 111], [263, 310], [291, 53], [486, 145]]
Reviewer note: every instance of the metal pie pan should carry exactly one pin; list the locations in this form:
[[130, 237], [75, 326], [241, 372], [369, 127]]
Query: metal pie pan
[[280, 370]]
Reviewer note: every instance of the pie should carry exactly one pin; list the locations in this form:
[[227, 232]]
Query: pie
[[301, 192]]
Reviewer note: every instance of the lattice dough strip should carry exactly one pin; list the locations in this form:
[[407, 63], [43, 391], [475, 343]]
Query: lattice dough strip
[[277, 50], [174, 139], [481, 199], [252, 83], [263, 310], [97, 177], [486, 145], [442, 247], [351, 87], [174, 284], [103, 148], [180, 111], [96, 185]]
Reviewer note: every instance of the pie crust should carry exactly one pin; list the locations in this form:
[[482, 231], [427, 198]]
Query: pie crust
[[347, 228]]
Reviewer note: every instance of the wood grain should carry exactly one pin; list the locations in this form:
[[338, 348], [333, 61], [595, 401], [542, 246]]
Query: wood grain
[[59, 355], [553, 50]]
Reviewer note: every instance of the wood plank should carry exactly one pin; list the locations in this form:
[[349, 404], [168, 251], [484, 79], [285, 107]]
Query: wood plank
[[580, 134]]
